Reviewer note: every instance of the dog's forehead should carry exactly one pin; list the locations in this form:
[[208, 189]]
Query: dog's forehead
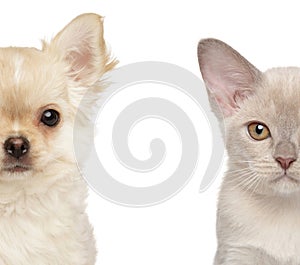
[[12, 58], [28, 77]]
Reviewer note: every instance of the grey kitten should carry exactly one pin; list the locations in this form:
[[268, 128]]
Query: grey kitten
[[258, 220]]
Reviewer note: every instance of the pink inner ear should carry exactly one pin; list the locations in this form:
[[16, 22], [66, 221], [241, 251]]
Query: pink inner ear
[[241, 95], [228, 85], [80, 62], [228, 76], [226, 104]]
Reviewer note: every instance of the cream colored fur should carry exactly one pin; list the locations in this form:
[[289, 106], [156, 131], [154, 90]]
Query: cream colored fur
[[42, 210], [258, 220]]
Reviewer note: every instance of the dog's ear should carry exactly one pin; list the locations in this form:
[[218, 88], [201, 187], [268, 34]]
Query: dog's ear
[[82, 46], [228, 76]]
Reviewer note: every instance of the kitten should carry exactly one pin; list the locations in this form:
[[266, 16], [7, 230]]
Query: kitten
[[258, 220]]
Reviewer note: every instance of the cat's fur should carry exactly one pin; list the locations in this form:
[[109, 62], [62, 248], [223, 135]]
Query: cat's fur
[[258, 220]]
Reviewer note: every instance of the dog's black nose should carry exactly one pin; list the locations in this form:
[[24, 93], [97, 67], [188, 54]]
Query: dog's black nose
[[16, 146]]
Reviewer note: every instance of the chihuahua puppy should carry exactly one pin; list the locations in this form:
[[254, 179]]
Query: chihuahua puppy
[[42, 195]]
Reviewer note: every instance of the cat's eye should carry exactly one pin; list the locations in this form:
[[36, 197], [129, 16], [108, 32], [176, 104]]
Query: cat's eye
[[258, 131], [50, 117]]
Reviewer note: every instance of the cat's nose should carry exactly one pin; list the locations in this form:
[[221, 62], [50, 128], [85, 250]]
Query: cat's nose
[[16, 146], [285, 162]]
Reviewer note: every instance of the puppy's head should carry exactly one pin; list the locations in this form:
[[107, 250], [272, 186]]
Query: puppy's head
[[39, 94]]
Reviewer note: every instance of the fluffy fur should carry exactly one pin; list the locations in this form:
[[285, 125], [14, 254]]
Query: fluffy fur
[[42, 208], [258, 220]]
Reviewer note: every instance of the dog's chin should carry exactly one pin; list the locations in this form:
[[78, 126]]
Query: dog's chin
[[15, 171]]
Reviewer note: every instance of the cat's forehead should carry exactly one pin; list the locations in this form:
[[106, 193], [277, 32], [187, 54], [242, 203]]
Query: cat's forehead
[[281, 84], [276, 101], [280, 90]]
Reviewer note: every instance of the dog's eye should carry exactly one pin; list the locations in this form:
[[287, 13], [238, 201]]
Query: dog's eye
[[50, 117]]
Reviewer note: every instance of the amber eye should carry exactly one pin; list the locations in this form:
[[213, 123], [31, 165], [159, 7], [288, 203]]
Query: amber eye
[[258, 131]]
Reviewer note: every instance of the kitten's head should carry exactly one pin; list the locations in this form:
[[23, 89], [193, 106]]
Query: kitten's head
[[261, 116], [39, 94]]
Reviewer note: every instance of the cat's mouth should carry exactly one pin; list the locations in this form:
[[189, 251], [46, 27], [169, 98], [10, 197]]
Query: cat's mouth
[[285, 177]]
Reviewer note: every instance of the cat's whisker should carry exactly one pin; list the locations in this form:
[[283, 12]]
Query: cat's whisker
[[238, 170], [246, 181], [240, 174], [252, 186], [243, 180], [258, 184], [241, 161]]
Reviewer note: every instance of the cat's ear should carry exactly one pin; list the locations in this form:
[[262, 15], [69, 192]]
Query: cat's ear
[[228, 76], [82, 46]]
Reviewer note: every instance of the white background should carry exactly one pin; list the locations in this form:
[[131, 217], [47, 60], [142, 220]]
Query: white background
[[181, 230]]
